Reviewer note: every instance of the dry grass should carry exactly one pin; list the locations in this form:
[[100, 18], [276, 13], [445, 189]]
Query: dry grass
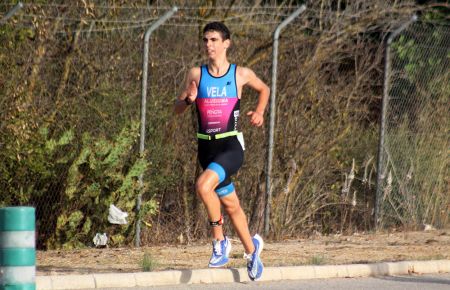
[[336, 249]]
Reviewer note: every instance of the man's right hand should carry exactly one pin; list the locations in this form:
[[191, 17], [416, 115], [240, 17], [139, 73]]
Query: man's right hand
[[191, 92]]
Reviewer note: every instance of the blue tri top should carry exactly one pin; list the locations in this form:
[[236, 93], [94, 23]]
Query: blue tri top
[[217, 102]]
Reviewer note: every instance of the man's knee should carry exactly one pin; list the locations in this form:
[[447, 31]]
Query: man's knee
[[202, 187], [206, 183]]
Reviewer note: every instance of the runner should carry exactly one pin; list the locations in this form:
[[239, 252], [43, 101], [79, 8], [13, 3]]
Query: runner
[[216, 89]]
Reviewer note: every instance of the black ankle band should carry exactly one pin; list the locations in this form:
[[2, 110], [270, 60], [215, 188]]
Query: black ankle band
[[217, 223]]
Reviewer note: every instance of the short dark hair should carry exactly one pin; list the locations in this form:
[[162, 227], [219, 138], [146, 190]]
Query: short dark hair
[[219, 27]]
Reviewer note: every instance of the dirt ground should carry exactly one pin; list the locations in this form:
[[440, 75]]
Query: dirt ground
[[336, 249]]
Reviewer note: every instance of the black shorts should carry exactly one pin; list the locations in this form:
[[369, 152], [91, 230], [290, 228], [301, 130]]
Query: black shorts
[[223, 156]]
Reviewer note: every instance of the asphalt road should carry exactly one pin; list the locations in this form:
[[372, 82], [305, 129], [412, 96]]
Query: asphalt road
[[428, 282]]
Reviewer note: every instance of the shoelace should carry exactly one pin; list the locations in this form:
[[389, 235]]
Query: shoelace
[[249, 259], [217, 249]]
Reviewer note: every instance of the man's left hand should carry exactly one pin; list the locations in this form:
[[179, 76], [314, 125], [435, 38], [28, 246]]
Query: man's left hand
[[256, 119]]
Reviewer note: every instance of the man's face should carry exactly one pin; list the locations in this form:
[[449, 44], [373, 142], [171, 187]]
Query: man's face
[[214, 45]]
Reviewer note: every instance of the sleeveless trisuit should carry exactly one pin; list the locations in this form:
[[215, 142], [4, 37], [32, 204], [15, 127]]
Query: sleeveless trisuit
[[218, 113]]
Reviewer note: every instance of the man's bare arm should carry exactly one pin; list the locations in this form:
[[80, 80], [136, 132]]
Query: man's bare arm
[[250, 79], [189, 94]]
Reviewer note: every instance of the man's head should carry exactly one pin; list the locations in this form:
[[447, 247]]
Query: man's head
[[216, 40], [219, 27]]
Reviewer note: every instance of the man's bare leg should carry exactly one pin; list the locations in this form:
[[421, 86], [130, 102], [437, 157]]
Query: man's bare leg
[[236, 213], [206, 183]]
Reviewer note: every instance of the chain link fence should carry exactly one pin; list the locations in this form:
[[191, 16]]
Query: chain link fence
[[413, 173], [78, 99], [76, 74], [70, 109]]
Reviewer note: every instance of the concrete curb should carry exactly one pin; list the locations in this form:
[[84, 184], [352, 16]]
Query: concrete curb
[[145, 279]]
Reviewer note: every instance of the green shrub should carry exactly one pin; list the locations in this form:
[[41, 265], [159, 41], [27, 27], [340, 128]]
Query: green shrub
[[104, 173]]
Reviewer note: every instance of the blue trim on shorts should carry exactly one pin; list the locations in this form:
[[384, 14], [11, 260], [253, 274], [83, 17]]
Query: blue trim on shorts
[[217, 168], [226, 190]]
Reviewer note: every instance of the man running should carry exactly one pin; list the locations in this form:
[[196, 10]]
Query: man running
[[216, 90]]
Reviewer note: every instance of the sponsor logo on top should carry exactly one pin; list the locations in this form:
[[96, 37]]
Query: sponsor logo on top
[[216, 92]]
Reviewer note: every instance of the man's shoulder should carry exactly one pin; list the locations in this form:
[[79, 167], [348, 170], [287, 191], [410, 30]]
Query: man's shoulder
[[195, 69], [194, 72], [243, 69], [244, 72]]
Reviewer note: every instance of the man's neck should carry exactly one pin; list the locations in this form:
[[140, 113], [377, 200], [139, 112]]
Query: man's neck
[[218, 67]]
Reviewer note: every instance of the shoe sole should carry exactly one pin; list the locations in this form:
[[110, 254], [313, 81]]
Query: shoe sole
[[261, 243], [260, 248]]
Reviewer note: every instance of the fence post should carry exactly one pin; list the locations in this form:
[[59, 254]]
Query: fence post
[[11, 13], [385, 100], [148, 33], [272, 109], [17, 248]]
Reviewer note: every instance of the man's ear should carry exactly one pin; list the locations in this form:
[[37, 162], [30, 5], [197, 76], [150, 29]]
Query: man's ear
[[227, 43]]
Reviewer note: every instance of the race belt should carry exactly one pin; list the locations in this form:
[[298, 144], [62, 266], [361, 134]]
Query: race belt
[[217, 136]]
